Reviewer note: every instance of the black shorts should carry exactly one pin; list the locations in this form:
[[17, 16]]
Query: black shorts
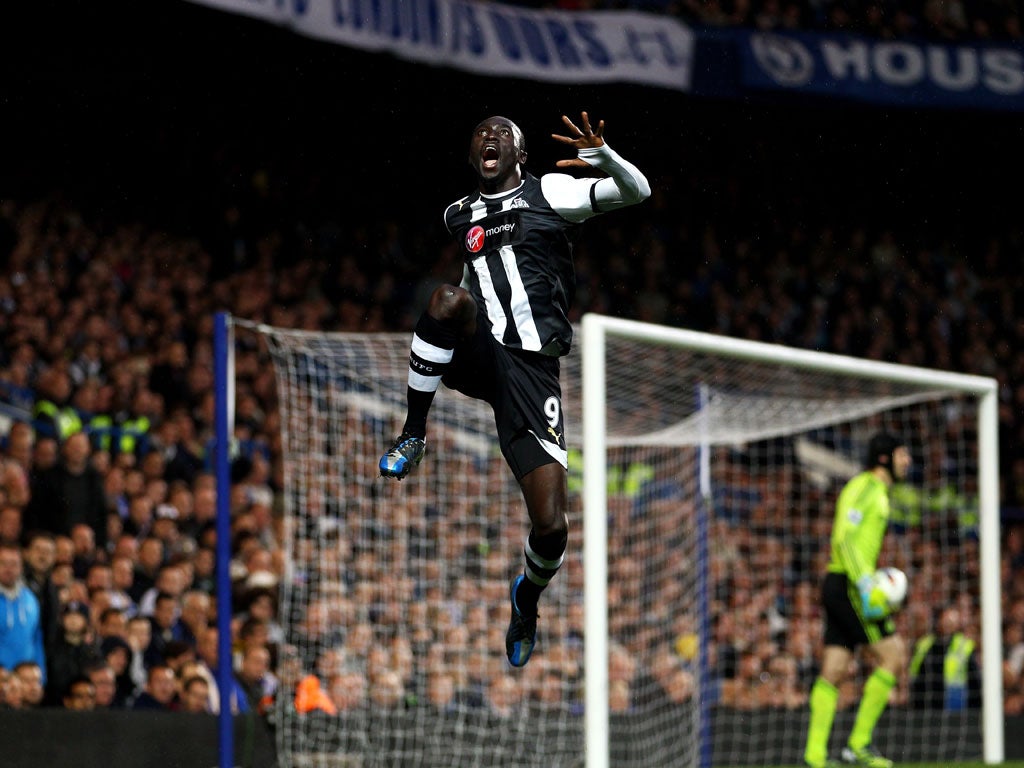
[[844, 624], [522, 388]]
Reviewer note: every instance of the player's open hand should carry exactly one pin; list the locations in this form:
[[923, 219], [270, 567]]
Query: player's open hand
[[581, 138]]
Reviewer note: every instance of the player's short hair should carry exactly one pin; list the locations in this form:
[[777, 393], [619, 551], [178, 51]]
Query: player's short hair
[[880, 450], [519, 136]]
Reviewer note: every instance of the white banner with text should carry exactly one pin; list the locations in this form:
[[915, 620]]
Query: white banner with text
[[495, 40]]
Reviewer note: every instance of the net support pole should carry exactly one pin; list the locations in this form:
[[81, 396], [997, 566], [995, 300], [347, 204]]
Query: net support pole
[[223, 396], [704, 509], [595, 546]]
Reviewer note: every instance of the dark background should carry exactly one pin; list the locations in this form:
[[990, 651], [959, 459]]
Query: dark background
[[162, 109]]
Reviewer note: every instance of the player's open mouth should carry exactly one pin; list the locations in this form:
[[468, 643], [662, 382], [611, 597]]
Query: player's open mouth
[[489, 155]]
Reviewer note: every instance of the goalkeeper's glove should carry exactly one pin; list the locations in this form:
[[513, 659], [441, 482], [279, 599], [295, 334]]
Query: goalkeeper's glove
[[872, 599]]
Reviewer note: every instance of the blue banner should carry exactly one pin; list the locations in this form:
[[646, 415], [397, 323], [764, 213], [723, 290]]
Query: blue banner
[[573, 47], [886, 72]]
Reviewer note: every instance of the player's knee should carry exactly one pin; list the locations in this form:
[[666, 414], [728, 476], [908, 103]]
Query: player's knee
[[550, 543], [892, 654], [450, 303], [900, 654], [553, 527]]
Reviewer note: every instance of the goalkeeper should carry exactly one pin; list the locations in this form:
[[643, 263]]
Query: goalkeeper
[[855, 611]]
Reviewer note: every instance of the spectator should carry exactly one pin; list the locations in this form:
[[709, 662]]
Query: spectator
[[139, 520], [159, 691], [204, 507], [944, 671], [98, 576], [140, 637], [112, 623], [150, 559], [20, 438], [80, 695], [387, 691], [73, 652], [205, 562], [11, 690], [670, 679], [45, 456], [257, 681], [207, 649], [70, 493], [10, 524], [64, 550], [122, 578], [118, 655], [40, 554], [195, 695], [98, 601], [104, 682], [262, 607], [177, 654], [170, 580], [347, 690], [440, 692], [114, 488], [620, 696], [165, 528], [253, 632], [21, 631], [14, 482], [162, 624], [84, 551], [503, 696], [185, 460], [31, 676], [125, 545], [195, 616], [52, 413]]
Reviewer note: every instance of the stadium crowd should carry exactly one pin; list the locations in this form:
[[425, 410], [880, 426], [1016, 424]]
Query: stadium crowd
[[940, 20], [107, 499], [937, 20]]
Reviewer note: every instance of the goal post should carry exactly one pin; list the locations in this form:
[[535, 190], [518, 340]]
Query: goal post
[[702, 476], [910, 384]]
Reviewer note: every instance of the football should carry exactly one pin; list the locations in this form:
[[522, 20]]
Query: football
[[893, 583]]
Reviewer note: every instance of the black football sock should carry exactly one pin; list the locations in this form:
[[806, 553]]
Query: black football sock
[[430, 356], [544, 555]]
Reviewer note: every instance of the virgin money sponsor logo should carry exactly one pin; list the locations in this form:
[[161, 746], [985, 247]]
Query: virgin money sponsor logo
[[477, 235], [475, 239]]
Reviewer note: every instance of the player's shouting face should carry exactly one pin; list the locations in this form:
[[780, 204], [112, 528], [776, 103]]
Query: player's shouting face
[[496, 152]]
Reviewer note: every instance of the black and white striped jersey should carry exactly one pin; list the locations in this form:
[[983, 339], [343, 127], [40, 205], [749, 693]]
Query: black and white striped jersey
[[518, 248], [518, 252]]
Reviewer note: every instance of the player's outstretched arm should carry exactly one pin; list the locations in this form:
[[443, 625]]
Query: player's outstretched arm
[[626, 185]]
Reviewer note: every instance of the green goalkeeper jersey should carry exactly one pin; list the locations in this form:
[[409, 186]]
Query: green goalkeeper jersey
[[862, 515]]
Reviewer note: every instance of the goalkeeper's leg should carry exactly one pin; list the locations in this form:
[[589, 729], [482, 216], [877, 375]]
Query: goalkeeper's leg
[[824, 700], [892, 655]]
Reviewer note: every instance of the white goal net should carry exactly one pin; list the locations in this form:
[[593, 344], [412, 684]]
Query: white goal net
[[718, 472]]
